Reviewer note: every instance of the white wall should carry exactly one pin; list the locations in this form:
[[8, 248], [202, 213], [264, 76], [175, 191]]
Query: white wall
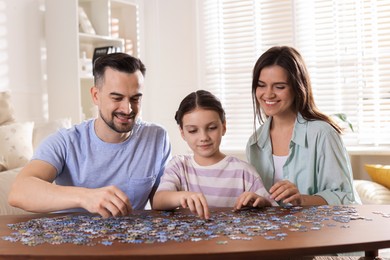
[[24, 34], [171, 62]]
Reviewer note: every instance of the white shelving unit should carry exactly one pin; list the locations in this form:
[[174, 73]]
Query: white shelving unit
[[70, 49]]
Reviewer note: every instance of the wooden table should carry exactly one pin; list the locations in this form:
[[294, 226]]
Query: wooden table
[[369, 235]]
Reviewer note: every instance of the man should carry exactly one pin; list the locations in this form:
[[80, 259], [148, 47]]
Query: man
[[106, 165]]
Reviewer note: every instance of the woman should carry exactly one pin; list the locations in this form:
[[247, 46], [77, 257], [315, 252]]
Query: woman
[[297, 150]]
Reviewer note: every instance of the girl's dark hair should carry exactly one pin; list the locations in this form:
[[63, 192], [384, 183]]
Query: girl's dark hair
[[289, 59], [118, 61], [199, 99]]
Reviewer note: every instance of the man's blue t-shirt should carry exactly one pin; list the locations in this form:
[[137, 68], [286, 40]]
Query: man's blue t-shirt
[[134, 166]]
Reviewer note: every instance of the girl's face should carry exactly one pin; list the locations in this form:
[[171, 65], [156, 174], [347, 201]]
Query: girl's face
[[274, 93], [203, 131]]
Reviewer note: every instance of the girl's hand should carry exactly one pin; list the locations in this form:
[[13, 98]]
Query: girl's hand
[[196, 202], [250, 199], [287, 192]]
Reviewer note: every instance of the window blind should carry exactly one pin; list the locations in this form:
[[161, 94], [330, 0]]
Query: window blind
[[346, 46]]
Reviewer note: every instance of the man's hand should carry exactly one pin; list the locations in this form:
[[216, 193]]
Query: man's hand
[[107, 202], [250, 199], [287, 192], [196, 202]]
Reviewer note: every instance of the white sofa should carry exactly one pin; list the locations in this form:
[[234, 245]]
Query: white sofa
[[6, 179], [17, 143], [371, 192]]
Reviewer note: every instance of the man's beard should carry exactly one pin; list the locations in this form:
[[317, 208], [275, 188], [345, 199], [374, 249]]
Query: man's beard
[[122, 128]]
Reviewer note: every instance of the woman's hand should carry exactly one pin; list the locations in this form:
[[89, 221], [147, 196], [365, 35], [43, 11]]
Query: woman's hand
[[287, 192], [196, 202], [250, 199]]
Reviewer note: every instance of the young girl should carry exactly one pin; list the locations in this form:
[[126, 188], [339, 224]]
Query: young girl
[[208, 178]]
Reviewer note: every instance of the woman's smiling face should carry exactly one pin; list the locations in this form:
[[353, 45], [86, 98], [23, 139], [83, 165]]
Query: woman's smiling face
[[274, 92]]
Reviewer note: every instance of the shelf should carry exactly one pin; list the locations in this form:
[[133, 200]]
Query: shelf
[[97, 40], [86, 78], [114, 22]]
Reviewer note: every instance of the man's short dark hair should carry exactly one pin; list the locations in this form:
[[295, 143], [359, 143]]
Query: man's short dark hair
[[117, 61]]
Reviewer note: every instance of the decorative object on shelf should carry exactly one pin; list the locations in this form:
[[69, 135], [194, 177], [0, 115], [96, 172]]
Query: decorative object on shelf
[[100, 51], [379, 173], [85, 65], [84, 22]]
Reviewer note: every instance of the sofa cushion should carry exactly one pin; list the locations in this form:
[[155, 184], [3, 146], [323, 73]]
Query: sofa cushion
[[379, 173], [6, 180], [16, 145], [42, 130], [372, 192], [7, 112]]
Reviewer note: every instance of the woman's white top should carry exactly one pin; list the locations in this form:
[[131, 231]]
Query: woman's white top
[[279, 161]]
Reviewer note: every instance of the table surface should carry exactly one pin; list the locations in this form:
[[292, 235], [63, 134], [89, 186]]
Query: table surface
[[369, 232]]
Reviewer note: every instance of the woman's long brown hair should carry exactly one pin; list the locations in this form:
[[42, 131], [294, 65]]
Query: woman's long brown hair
[[289, 59]]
